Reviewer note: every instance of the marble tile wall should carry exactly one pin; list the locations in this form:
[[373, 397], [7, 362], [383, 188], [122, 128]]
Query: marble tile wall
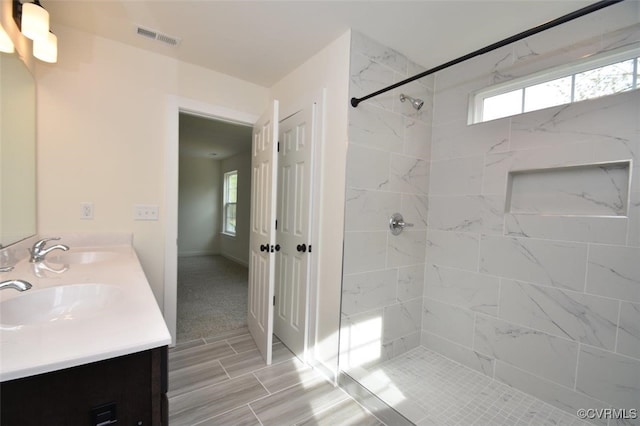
[[549, 303], [388, 171]]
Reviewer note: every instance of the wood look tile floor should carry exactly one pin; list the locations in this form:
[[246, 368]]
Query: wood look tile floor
[[223, 380]]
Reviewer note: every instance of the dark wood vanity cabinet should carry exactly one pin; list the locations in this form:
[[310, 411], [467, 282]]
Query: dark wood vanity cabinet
[[135, 384]]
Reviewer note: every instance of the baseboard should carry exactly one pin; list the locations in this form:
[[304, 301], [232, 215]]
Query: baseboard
[[327, 372], [210, 253], [196, 253], [235, 259]]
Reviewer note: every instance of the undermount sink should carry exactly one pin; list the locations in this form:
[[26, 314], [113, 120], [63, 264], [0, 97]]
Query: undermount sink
[[81, 257], [62, 303]]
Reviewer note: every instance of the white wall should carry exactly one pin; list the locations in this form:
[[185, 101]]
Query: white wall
[[102, 134], [199, 211], [328, 69], [236, 247]]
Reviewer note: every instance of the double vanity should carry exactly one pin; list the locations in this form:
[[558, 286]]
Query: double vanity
[[87, 343]]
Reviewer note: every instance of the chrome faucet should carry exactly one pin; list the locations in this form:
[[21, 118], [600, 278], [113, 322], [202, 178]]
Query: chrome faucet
[[38, 252], [19, 285], [40, 269]]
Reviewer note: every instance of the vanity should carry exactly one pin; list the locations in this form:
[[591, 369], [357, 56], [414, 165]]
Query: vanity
[[86, 344]]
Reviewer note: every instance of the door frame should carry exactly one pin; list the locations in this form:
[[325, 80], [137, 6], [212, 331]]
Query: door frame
[[174, 106]]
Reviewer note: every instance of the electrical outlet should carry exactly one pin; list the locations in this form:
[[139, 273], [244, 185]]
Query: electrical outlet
[[145, 212], [86, 210]]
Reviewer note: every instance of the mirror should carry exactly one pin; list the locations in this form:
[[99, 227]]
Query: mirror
[[17, 151]]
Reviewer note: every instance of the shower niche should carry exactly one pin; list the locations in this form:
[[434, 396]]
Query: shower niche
[[585, 190], [584, 203]]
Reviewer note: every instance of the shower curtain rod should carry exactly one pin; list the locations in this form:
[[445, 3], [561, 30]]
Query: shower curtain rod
[[554, 23]]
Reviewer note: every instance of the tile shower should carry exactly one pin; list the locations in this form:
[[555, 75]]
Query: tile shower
[[523, 264]]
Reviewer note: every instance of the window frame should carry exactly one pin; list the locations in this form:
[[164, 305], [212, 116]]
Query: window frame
[[226, 203], [477, 98]]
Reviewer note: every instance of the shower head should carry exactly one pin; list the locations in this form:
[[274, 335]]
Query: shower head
[[415, 102]]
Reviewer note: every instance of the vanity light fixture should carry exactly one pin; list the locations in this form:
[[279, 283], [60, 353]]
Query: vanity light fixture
[[6, 45], [33, 21]]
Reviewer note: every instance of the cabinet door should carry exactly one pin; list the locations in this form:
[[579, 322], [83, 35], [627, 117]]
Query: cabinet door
[[66, 397]]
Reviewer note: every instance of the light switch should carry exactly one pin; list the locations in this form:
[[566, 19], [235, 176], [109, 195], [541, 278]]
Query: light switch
[[145, 212]]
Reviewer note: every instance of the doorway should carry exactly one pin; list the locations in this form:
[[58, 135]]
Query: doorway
[[213, 224], [176, 105]]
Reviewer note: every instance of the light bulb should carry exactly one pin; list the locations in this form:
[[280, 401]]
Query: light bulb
[[6, 45], [46, 49], [35, 21]]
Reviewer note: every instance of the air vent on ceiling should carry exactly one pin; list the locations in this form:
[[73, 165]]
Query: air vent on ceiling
[[155, 35]]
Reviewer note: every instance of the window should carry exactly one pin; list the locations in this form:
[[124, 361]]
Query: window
[[586, 79], [229, 202]]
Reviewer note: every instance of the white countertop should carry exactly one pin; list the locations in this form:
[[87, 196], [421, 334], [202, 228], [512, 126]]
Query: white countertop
[[131, 323]]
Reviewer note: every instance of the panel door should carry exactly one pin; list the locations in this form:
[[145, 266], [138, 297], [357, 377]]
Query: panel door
[[262, 233], [293, 231]]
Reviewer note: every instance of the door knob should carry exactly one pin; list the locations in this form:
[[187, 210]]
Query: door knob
[[301, 248], [264, 247], [276, 247]]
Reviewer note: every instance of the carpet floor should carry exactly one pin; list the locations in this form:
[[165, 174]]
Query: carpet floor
[[212, 296]]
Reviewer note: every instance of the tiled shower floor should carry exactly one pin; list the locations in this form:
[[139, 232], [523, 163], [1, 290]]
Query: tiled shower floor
[[430, 389]]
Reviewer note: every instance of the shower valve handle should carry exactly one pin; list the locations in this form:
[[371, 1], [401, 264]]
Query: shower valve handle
[[397, 224]]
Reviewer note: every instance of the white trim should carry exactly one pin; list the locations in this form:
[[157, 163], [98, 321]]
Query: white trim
[[320, 99], [174, 106], [476, 99]]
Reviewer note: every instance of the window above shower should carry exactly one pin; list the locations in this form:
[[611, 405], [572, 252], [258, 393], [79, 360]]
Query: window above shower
[[589, 78]]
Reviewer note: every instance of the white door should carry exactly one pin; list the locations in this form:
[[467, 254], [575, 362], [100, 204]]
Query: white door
[[293, 230], [262, 235]]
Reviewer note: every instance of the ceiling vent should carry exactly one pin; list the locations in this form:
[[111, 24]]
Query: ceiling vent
[[155, 35]]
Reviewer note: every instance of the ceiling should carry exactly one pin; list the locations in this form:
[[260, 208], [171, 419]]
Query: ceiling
[[262, 41], [215, 139]]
